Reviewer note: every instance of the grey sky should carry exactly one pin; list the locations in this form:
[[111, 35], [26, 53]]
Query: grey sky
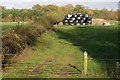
[[93, 4], [59, 0]]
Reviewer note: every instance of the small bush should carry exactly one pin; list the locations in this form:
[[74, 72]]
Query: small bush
[[15, 40], [46, 21]]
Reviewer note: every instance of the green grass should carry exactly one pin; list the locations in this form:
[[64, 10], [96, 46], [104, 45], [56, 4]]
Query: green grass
[[13, 23], [93, 39], [114, 22], [10, 25], [68, 44]]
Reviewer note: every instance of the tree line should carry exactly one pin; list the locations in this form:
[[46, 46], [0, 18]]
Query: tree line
[[16, 15]]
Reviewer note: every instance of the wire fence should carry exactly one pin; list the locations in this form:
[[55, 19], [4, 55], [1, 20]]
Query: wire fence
[[104, 67], [96, 67]]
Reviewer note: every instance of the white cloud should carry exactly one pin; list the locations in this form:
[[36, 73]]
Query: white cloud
[[59, 1]]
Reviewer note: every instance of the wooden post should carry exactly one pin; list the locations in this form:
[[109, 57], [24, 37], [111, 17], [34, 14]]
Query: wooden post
[[85, 62], [117, 72]]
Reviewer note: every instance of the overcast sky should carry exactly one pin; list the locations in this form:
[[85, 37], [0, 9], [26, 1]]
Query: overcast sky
[[59, 0], [93, 4]]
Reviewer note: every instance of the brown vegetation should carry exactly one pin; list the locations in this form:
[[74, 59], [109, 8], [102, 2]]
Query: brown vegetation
[[55, 11]]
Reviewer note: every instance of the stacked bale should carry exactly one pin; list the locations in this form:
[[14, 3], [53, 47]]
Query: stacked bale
[[78, 19]]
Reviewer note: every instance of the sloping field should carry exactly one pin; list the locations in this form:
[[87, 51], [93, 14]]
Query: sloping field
[[59, 54]]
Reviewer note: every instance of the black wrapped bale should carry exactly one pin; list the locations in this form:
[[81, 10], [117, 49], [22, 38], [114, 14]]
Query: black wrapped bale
[[87, 24], [66, 16], [77, 23], [78, 19], [83, 18], [81, 21], [89, 18], [71, 23], [73, 18], [65, 21], [69, 15]]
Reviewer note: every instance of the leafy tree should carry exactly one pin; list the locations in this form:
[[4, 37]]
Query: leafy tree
[[97, 13], [70, 8], [9, 18], [50, 7], [2, 8], [91, 12], [80, 8], [37, 7], [63, 8], [17, 19], [59, 12]]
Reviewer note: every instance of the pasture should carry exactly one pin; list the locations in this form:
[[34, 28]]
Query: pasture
[[10, 25], [56, 51]]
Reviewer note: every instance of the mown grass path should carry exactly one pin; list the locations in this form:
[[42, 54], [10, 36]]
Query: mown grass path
[[59, 54], [51, 54]]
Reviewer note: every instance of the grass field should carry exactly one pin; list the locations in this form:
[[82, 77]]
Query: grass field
[[10, 25], [56, 51]]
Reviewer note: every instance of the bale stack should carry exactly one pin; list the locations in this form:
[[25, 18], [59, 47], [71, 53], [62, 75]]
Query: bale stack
[[78, 19]]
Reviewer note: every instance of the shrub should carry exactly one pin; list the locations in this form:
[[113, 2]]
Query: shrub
[[28, 32], [15, 40], [46, 21], [11, 44]]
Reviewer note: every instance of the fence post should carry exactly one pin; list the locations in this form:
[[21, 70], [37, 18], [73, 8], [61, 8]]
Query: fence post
[[85, 62], [117, 72]]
